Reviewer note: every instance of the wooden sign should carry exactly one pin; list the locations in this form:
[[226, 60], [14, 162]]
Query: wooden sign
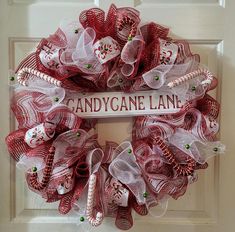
[[120, 104]]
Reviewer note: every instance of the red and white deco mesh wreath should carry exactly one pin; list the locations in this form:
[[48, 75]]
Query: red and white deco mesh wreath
[[174, 129]]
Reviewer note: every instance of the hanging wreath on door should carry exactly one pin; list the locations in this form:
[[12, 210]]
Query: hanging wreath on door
[[58, 149]]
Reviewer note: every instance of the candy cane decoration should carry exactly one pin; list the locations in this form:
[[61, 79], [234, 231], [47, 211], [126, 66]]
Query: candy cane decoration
[[184, 170], [22, 78], [126, 20], [34, 183], [90, 201], [65, 203], [191, 75]]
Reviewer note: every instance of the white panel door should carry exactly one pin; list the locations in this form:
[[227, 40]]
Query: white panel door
[[209, 204]]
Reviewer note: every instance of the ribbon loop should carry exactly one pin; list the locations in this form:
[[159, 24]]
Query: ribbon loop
[[125, 169]]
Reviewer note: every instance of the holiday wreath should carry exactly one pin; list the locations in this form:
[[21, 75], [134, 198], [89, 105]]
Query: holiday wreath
[[57, 147]]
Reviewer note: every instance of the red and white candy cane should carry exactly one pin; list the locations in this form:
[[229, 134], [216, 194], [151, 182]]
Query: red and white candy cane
[[94, 221], [22, 76], [126, 20], [34, 181], [191, 75], [184, 170]]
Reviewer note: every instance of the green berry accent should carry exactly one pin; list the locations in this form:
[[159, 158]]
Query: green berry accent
[[187, 146], [157, 78], [129, 151], [88, 66], [193, 88], [76, 31], [78, 134], [129, 38], [12, 78], [34, 169], [56, 99], [215, 149], [82, 219], [145, 194]]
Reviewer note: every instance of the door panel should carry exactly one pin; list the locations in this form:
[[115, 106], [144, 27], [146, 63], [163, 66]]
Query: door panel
[[208, 205]]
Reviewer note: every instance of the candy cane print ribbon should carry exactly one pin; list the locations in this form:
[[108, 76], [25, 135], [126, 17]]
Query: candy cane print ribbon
[[106, 49], [49, 56], [45, 131], [116, 193], [168, 52], [38, 135]]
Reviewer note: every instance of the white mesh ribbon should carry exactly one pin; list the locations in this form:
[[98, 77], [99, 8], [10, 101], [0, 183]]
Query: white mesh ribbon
[[51, 91], [69, 144], [168, 71], [71, 31], [33, 158], [203, 127], [25, 163], [36, 100], [199, 150], [160, 75], [125, 169], [190, 89], [83, 55], [130, 55], [94, 159], [116, 78], [157, 77]]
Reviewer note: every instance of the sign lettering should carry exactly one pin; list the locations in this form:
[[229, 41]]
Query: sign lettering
[[115, 104]]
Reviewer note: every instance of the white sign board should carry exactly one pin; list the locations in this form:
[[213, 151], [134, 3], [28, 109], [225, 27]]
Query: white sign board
[[120, 104]]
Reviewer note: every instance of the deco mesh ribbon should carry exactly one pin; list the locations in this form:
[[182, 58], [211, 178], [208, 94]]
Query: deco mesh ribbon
[[59, 151]]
